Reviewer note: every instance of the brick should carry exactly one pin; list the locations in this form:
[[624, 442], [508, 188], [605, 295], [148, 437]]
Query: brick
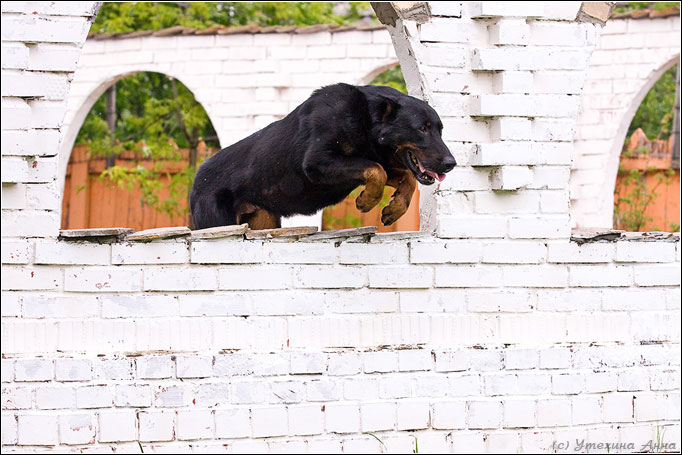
[[380, 361], [644, 252], [102, 279], [195, 425], [133, 395], [574, 253], [414, 360], [567, 384], [569, 299], [306, 420], [649, 407], [27, 434], [76, 429], [412, 415], [322, 390], [633, 380], [520, 359], [514, 252], [554, 413], [180, 279], [342, 418], [448, 415], [665, 379], [586, 409], [269, 421], [344, 364], [547, 276], [299, 253], [368, 253], [150, 253], [598, 276], [145, 305], [172, 396], [511, 178], [9, 427], [444, 252], [29, 370], [73, 370], [509, 31], [98, 396], [377, 416], [395, 387], [472, 227], [31, 278], [30, 142], [465, 385], [17, 398], [618, 408], [55, 398], [501, 301], [193, 366], [155, 367], [657, 275], [287, 392], [114, 368], [555, 358], [118, 426], [400, 277], [307, 363], [484, 414], [156, 425], [7, 370], [519, 413], [11, 304], [248, 278], [232, 423], [53, 57], [468, 276]]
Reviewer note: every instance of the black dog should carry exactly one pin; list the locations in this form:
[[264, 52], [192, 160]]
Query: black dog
[[341, 137]]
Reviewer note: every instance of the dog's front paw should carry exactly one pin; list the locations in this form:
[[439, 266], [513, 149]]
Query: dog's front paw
[[367, 201], [394, 210]]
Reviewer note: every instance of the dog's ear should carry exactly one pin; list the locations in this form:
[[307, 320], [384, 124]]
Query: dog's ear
[[386, 109]]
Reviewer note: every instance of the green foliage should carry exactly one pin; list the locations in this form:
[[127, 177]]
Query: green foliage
[[655, 114], [155, 115], [133, 16], [636, 6], [393, 78], [629, 211]]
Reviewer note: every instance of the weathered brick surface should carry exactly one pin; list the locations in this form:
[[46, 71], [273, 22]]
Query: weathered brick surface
[[498, 332]]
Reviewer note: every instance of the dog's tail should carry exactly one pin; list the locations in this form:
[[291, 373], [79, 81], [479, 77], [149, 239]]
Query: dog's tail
[[208, 211]]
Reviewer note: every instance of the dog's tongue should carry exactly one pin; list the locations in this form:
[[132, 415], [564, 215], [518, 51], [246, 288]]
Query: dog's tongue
[[439, 177]]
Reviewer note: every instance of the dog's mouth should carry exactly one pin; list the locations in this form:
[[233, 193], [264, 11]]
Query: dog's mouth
[[423, 175]]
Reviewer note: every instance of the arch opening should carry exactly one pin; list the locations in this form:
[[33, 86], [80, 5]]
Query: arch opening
[[644, 188], [140, 139]]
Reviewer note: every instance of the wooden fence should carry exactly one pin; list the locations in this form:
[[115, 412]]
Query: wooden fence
[[91, 202], [660, 195]]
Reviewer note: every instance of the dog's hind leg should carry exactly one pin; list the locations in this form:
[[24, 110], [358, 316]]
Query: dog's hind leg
[[257, 217], [209, 212], [404, 183]]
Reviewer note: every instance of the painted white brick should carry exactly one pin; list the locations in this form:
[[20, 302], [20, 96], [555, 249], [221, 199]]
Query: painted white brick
[[368, 253], [449, 415], [585, 253], [633, 380], [232, 423], [150, 253], [501, 301], [665, 380], [605, 381], [97, 396], [618, 407], [192, 366], [519, 413], [509, 31], [155, 367], [73, 370], [445, 252], [380, 361], [649, 407], [511, 178], [133, 395], [17, 398], [644, 252], [598, 276], [29, 370], [195, 425], [329, 277], [344, 364], [555, 358], [472, 227], [31, 278], [55, 398], [567, 384], [102, 279], [378, 416], [308, 363], [300, 253], [322, 390], [414, 360], [550, 227], [657, 275], [342, 418], [412, 415], [180, 279], [118, 426], [156, 425], [305, 420], [76, 429], [172, 396], [27, 434], [484, 414], [395, 387], [554, 413], [400, 277], [9, 427], [468, 276], [145, 305], [549, 276], [514, 252]]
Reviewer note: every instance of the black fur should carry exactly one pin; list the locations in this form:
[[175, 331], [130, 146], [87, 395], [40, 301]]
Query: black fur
[[316, 155]]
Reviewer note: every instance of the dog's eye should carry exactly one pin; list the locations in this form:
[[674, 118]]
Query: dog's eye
[[423, 129]]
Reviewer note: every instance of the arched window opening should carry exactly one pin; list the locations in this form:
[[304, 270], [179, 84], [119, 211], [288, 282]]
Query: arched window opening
[[346, 215], [647, 191], [136, 155]]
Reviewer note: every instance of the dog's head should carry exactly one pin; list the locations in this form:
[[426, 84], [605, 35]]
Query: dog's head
[[412, 129]]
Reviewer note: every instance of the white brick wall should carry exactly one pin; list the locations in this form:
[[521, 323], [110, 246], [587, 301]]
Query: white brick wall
[[497, 333]]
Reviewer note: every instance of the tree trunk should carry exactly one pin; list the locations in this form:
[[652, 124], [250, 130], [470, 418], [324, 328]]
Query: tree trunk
[[675, 162], [111, 120]]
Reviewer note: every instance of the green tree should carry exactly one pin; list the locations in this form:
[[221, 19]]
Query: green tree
[[655, 114]]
